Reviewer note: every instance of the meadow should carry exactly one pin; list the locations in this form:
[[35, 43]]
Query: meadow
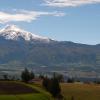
[[79, 91]]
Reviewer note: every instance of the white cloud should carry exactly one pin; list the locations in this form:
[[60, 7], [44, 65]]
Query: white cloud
[[25, 16], [68, 3]]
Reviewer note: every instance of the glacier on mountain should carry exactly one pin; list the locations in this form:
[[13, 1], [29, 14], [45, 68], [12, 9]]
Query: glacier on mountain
[[12, 32]]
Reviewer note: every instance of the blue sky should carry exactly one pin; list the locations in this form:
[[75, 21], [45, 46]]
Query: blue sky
[[66, 20]]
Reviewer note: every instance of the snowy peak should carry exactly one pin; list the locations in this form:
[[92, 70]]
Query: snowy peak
[[13, 32], [11, 28]]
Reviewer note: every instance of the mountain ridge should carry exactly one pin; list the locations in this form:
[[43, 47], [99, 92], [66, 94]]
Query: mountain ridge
[[54, 55]]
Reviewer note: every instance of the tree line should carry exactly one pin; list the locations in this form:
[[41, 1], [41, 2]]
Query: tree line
[[51, 85]]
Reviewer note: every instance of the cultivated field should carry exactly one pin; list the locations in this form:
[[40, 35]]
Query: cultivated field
[[81, 91], [21, 91]]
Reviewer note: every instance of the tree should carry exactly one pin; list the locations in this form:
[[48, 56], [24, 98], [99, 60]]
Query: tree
[[32, 75], [46, 83], [60, 77], [41, 76], [52, 85], [5, 77], [55, 87], [25, 75], [70, 80]]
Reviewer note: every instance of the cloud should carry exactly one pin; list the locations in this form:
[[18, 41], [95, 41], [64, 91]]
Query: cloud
[[69, 3], [25, 16]]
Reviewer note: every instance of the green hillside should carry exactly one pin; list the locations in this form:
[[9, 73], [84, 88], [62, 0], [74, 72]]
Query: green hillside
[[38, 93]]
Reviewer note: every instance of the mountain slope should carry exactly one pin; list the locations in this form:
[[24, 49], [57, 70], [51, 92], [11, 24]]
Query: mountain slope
[[19, 49]]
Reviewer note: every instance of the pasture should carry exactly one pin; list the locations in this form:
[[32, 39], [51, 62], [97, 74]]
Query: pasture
[[77, 91]]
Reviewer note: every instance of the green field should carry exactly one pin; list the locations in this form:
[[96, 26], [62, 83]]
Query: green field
[[38, 93], [81, 91], [20, 91]]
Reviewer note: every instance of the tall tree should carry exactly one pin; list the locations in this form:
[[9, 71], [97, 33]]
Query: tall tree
[[25, 75], [32, 75], [55, 87], [46, 83], [52, 85]]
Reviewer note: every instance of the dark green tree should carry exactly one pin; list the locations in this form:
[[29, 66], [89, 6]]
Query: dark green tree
[[46, 83], [70, 80], [41, 76], [32, 75], [25, 75], [52, 85], [5, 77], [55, 87], [60, 77]]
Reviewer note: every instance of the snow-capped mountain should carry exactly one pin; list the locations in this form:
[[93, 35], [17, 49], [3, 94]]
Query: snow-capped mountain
[[12, 32], [20, 49]]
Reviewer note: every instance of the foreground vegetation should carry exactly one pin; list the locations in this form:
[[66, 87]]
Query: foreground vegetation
[[35, 93], [79, 91], [70, 91], [47, 88]]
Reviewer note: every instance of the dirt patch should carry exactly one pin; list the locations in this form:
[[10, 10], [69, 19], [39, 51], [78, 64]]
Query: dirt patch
[[15, 88]]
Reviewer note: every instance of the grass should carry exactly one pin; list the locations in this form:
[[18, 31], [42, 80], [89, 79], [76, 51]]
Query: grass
[[40, 95], [25, 97], [81, 91], [75, 90]]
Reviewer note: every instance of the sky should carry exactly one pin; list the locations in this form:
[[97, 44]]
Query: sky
[[63, 20]]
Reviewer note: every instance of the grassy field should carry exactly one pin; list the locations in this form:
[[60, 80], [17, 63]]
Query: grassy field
[[81, 91], [18, 91]]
